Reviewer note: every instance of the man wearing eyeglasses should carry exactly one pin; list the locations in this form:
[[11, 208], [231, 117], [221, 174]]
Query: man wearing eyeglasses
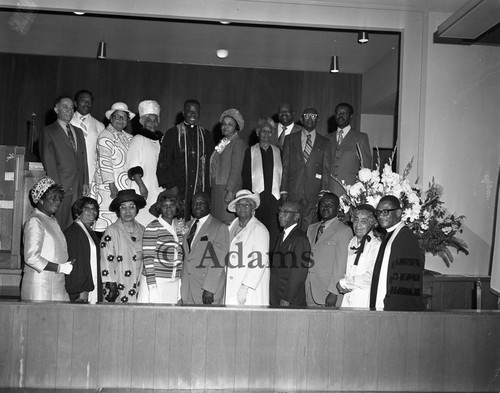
[[398, 271], [349, 151], [290, 260], [303, 155]]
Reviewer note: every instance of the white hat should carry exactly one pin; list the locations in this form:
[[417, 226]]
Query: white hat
[[243, 194], [149, 107], [119, 106]]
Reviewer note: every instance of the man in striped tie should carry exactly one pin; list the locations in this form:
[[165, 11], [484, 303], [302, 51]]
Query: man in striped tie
[[303, 154], [90, 126]]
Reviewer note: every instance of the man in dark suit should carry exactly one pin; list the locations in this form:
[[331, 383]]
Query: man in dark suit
[[205, 246], [286, 125], [329, 240], [399, 267], [349, 152], [303, 155], [290, 261], [64, 158]]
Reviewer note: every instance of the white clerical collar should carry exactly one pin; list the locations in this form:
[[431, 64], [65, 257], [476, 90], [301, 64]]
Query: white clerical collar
[[288, 230], [393, 228]]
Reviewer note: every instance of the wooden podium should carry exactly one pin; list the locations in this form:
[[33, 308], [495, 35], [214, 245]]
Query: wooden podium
[[16, 179]]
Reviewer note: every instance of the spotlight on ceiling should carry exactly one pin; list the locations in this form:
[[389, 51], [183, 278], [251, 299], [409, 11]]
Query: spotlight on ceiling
[[222, 53], [101, 50], [334, 65], [363, 37]]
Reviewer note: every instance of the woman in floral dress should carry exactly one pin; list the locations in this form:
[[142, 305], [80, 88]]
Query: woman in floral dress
[[111, 174], [226, 164], [121, 249]]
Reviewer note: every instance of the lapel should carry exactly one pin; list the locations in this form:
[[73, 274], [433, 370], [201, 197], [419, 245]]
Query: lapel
[[328, 232], [203, 230], [351, 135], [288, 242]]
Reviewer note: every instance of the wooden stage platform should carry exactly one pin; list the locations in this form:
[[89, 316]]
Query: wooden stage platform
[[62, 346]]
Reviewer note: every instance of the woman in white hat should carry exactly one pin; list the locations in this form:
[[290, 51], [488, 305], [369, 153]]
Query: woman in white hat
[[111, 175], [247, 280], [142, 158]]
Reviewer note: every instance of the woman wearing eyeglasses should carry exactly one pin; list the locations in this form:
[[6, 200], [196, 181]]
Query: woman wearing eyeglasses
[[247, 280], [225, 165], [361, 257], [111, 174], [121, 249]]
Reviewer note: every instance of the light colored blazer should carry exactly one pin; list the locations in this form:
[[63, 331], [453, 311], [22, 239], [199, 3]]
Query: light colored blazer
[[248, 264], [204, 265], [328, 259], [94, 128]]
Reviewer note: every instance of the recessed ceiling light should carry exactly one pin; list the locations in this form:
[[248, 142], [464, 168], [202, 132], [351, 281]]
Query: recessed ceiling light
[[225, 22], [222, 53], [78, 13]]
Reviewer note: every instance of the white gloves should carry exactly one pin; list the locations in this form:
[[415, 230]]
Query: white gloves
[[241, 296], [65, 268]]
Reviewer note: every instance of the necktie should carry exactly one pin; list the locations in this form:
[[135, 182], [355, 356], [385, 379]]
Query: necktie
[[192, 231], [308, 148], [281, 139], [83, 125], [341, 136], [71, 137], [361, 248], [320, 231], [376, 270]]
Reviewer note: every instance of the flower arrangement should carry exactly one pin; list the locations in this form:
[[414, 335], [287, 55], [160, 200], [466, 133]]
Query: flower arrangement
[[424, 213]]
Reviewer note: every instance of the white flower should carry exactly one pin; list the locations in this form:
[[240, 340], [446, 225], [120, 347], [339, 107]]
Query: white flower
[[447, 230], [373, 200], [222, 145], [365, 175]]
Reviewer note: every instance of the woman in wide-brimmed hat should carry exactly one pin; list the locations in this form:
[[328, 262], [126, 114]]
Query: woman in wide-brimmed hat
[[111, 172], [45, 251], [121, 249], [163, 254], [248, 275], [226, 163]]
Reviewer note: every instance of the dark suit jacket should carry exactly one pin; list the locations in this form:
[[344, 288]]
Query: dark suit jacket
[[80, 278], [275, 139], [67, 167], [300, 179], [200, 270], [342, 161], [289, 269]]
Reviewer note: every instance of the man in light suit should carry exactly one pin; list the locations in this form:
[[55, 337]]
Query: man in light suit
[[349, 152], [205, 247], [329, 246], [90, 126], [286, 125], [303, 165], [290, 261], [64, 158]]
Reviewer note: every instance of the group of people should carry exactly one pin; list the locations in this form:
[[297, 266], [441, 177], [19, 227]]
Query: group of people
[[174, 217]]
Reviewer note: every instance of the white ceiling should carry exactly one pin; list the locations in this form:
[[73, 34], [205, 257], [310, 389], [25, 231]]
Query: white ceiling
[[174, 41]]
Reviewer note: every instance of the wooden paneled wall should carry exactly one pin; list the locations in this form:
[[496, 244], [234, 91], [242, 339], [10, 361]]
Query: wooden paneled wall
[[31, 83], [80, 346]]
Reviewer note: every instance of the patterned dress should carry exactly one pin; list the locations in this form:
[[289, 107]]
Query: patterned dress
[[121, 260], [112, 148]]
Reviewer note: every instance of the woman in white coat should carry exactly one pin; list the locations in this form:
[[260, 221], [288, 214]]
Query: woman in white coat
[[247, 280], [361, 257]]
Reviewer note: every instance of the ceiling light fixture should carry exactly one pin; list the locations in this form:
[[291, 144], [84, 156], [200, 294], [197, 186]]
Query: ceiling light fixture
[[224, 22], [78, 13], [363, 37], [101, 50], [334, 65], [222, 53]]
